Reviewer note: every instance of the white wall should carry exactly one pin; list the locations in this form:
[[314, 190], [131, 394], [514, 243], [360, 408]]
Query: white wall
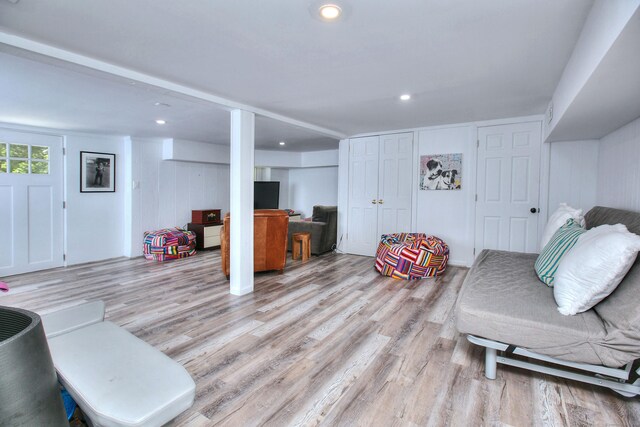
[[450, 214], [312, 159], [312, 186], [573, 174], [166, 191], [569, 174], [95, 221], [282, 175], [193, 151], [619, 168], [262, 174], [604, 24], [202, 152]]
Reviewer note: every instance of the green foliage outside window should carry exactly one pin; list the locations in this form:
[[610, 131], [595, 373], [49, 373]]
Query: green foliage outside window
[[40, 167], [15, 158], [19, 166], [41, 153], [19, 150]]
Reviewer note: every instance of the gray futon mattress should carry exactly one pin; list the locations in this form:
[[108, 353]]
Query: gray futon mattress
[[503, 300]]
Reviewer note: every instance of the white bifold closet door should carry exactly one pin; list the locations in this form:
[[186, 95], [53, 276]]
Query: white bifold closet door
[[380, 186], [31, 212]]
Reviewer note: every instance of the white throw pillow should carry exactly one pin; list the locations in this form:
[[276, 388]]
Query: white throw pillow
[[594, 267], [558, 219]]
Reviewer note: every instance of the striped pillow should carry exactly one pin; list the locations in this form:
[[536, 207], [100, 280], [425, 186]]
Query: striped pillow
[[561, 243]]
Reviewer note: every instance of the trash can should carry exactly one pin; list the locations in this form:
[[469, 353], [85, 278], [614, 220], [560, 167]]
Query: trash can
[[29, 390]]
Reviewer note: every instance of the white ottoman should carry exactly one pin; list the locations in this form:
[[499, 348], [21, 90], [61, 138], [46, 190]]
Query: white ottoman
[[116, 378]]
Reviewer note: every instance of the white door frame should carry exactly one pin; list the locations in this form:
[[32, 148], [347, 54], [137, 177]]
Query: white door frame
[[27, 135], [373, 207], [343, 196], [545, 165], [545, 153], [344, 187]]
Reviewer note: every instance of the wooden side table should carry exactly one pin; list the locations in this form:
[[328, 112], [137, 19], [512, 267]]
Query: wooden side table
[[301, 242], [207, 235]]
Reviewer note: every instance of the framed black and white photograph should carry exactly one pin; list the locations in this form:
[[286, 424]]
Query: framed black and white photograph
[[97, 172]]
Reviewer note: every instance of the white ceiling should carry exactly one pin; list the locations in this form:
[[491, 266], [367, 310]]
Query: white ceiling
[[462, 60], [49, 93]]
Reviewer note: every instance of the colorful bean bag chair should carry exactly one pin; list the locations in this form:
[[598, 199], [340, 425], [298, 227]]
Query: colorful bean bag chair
[[169, 243], [411, 256]]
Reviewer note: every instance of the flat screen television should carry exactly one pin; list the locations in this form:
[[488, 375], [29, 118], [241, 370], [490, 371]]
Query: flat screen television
[[266, 194]]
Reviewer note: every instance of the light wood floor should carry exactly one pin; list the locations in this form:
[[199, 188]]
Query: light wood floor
[[329, 342]]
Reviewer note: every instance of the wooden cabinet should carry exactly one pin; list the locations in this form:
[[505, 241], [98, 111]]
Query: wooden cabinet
[[207, 235], [205, 217]]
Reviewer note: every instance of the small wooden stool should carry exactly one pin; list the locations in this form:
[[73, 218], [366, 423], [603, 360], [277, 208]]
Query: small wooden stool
[[301, 242]]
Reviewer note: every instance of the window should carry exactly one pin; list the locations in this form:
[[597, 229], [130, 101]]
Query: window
[[24, 159]]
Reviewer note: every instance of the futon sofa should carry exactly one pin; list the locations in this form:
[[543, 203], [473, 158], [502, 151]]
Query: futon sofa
[[504, 307], [323, 228]]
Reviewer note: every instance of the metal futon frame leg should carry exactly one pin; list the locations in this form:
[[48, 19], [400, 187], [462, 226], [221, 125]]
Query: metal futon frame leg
[[617, 379]]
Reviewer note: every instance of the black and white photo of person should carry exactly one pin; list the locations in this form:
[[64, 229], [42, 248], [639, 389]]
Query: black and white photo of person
[[97, 172]]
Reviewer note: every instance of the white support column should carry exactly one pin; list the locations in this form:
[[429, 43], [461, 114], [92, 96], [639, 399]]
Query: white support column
[[129, 203], [241, 236]]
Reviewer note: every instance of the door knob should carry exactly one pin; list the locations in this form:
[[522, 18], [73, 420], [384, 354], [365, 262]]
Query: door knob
[[381, 202], [374, 201], [533, 210]]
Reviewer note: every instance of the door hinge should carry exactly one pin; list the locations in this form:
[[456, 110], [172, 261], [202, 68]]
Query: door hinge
[[64, 205], [64, 151], [477, 143], [64, 257], [474, 251], [476, 197]]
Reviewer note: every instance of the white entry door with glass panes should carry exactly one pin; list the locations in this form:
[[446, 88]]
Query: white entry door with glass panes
[[31, 211]]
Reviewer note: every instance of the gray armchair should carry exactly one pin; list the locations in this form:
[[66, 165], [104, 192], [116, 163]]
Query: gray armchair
[[323, 228]]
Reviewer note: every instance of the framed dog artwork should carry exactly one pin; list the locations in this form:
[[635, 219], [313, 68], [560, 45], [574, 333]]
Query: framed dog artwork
[[441, 171]]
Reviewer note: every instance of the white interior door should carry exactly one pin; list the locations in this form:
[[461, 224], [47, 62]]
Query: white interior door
[[394, 183], [363, 195], [508, 187], [31, 213]]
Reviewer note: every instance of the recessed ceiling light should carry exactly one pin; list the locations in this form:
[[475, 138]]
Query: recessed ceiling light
[[161, 104], [330, 11], [405, 97], [281, 143], [160, 121]]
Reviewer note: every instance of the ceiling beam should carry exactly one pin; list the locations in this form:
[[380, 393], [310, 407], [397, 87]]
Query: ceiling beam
[[95, 64]]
